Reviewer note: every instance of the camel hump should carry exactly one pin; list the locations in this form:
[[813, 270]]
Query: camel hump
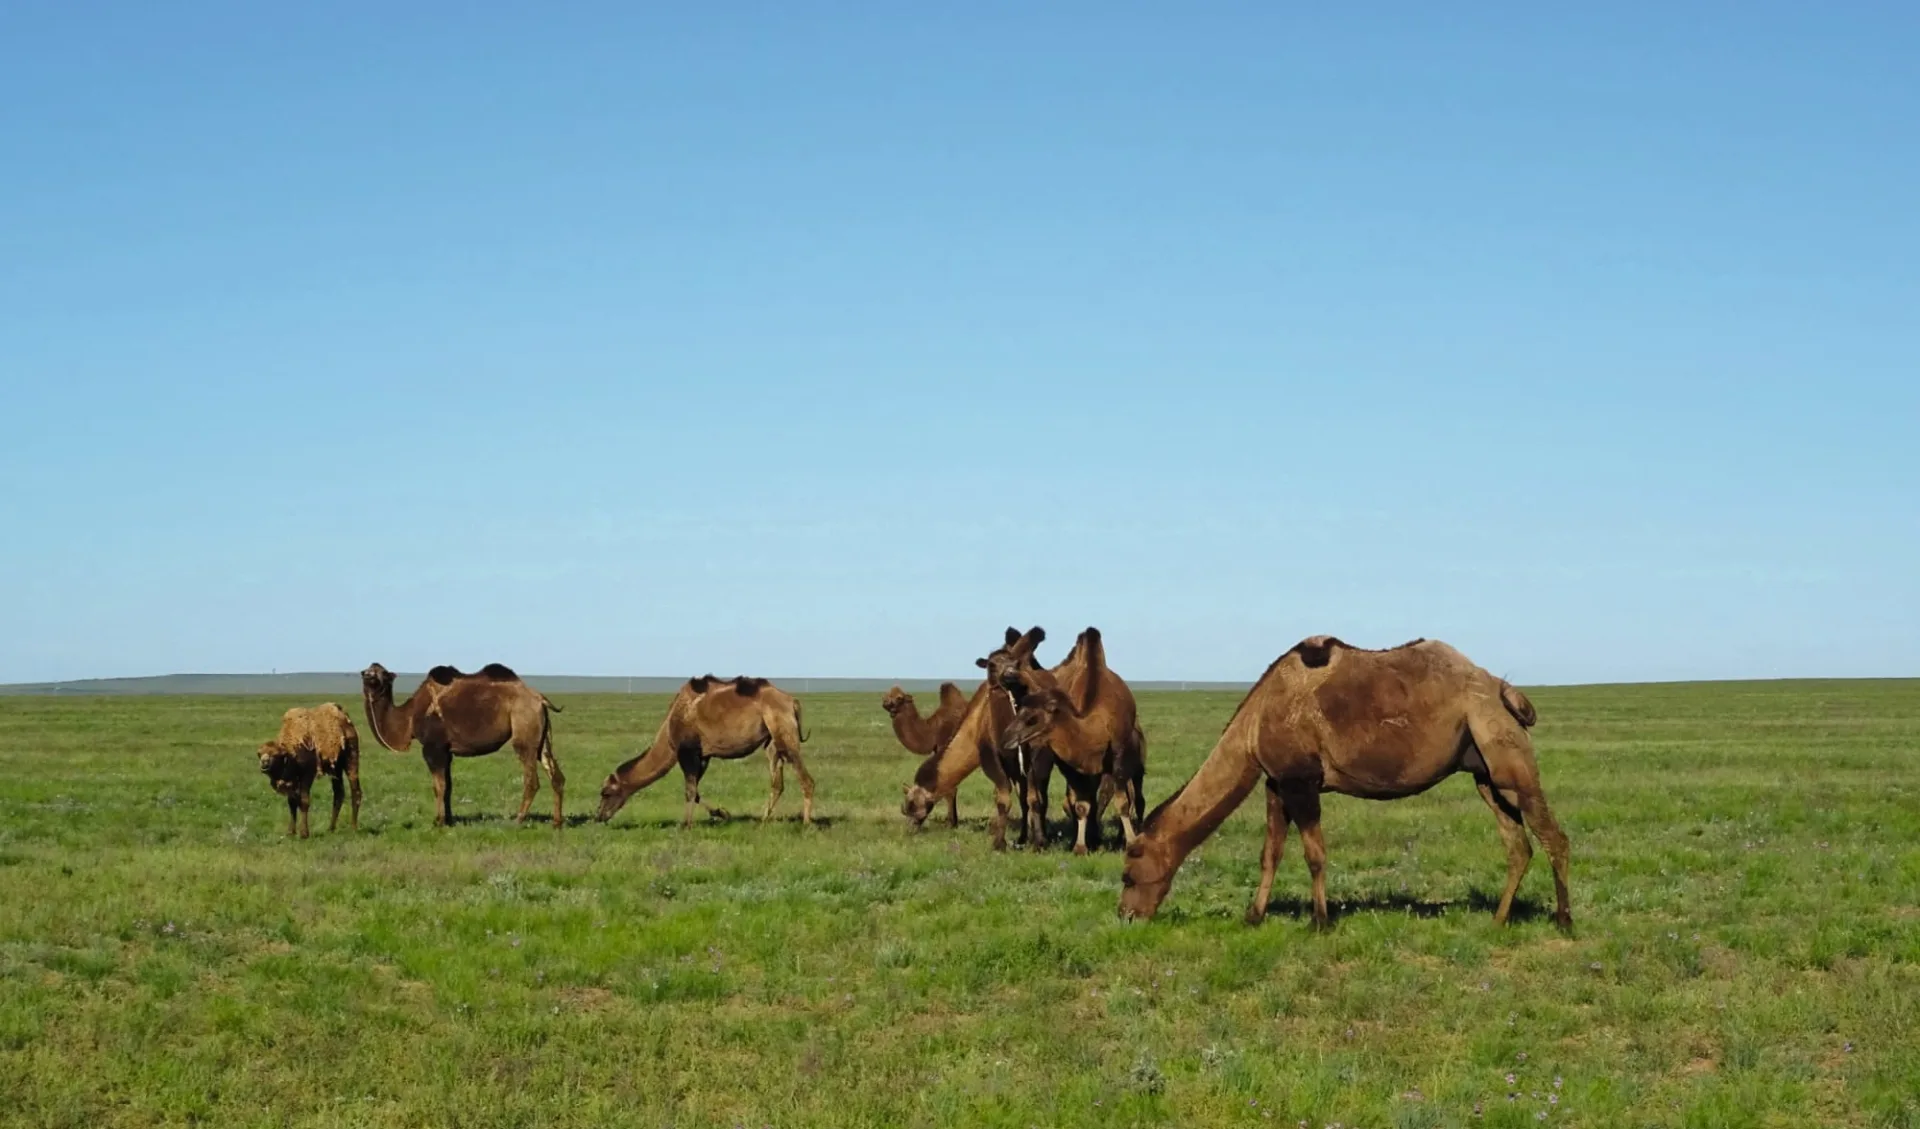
[[499, 672], [444, 675], [1518, 704], [748, 687], [701, 683], [1317, 651]]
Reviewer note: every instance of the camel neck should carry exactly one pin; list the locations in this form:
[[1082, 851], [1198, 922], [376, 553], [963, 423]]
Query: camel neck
[[1206, 800], [392, 725], [914, 731]]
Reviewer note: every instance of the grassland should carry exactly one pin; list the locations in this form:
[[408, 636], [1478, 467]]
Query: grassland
[[1746, 885]]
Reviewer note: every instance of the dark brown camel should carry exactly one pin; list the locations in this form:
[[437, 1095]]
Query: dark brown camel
[[1100, 748], [927, 735], [715, 718], [467, 715], [1381, 725], [311, 743]]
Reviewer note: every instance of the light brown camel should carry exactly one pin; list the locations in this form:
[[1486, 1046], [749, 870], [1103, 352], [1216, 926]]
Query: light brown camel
[[1080, 716], [717, 718], [928, 735], [468, 715], [313, 742], [1327, 717], [980, 743]]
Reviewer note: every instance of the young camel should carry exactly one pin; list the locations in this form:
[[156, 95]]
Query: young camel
[[1381, 725], [1083, 716], [311, 743], [980, 743], [929, 734], [713, 718], [468, 715]]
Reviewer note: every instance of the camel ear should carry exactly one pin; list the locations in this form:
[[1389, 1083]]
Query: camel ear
[[1013, 636], [981, 663]]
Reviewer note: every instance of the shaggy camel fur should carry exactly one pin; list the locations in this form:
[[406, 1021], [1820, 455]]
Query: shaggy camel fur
[[312, 742], [719, 718], [980, 743], [1327, 717], [468, 715], [928, 735], [1080, 717]]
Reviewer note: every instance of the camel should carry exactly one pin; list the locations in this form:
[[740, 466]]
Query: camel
[[980, 742], [927, 735], [1381, 725], [313, 742], [453, 715], [1083, 715], [716, 718]]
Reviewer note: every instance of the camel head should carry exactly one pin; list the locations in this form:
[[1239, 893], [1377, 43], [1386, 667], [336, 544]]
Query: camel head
[[377, 680], [1016, 654], [895, 700], [918, 802], [270, 757], [1039, 710], [613, 797], [1144, 880]]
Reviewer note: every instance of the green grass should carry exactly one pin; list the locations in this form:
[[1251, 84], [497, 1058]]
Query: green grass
[[1746, 892]]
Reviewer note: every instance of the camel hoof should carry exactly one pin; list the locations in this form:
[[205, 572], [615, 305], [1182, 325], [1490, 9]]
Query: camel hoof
[[1080, 849], [718, 813], [1256, 915], [1564, 922]]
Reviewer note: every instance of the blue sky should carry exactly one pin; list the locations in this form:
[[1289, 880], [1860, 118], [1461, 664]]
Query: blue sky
[[830, 339]]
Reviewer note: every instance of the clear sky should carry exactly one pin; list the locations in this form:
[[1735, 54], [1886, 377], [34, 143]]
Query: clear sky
[[830, 339]]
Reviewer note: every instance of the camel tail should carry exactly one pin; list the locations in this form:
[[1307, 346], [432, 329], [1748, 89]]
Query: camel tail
[[1518, 705], [796, 722], [550, 704]]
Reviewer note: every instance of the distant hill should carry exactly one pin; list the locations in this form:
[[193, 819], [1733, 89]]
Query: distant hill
[[323, 684]]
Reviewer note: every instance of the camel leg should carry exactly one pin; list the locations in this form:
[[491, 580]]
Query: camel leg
[[953, 808], [306, 807], [1508, 753], [353, 789], [556, 780], [776, 782], [1506, 812], [1039, 766], [293, 814], [1303, 807], [1129, 803], [1269, 854], [792, 756], [692, 767], [1545, 828], [529, 782], [440, 764], [339, 798]]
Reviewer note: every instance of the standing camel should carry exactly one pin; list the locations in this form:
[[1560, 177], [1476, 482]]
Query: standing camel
[[928, 735], [1381, 725], [467, 715], [719, 718], [312, 743], [1100, 748], [980, 743]]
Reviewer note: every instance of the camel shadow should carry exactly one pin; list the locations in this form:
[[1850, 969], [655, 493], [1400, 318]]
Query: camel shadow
[[1524, 909]]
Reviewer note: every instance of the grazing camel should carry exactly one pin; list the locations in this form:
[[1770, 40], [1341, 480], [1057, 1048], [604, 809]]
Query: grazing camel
[[980, 743], [927, 735], [1381, 725], [720, 718], [468, 715], [1083, 716], [313, 742]]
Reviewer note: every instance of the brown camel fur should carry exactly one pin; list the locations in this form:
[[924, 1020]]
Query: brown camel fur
[[1381, 725], [715, 718], [468, 715], [313, 742], [1083, 715], [980, 743], [927, 735]]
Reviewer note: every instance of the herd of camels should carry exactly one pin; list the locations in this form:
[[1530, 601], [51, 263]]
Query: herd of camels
[[1325, 717]]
